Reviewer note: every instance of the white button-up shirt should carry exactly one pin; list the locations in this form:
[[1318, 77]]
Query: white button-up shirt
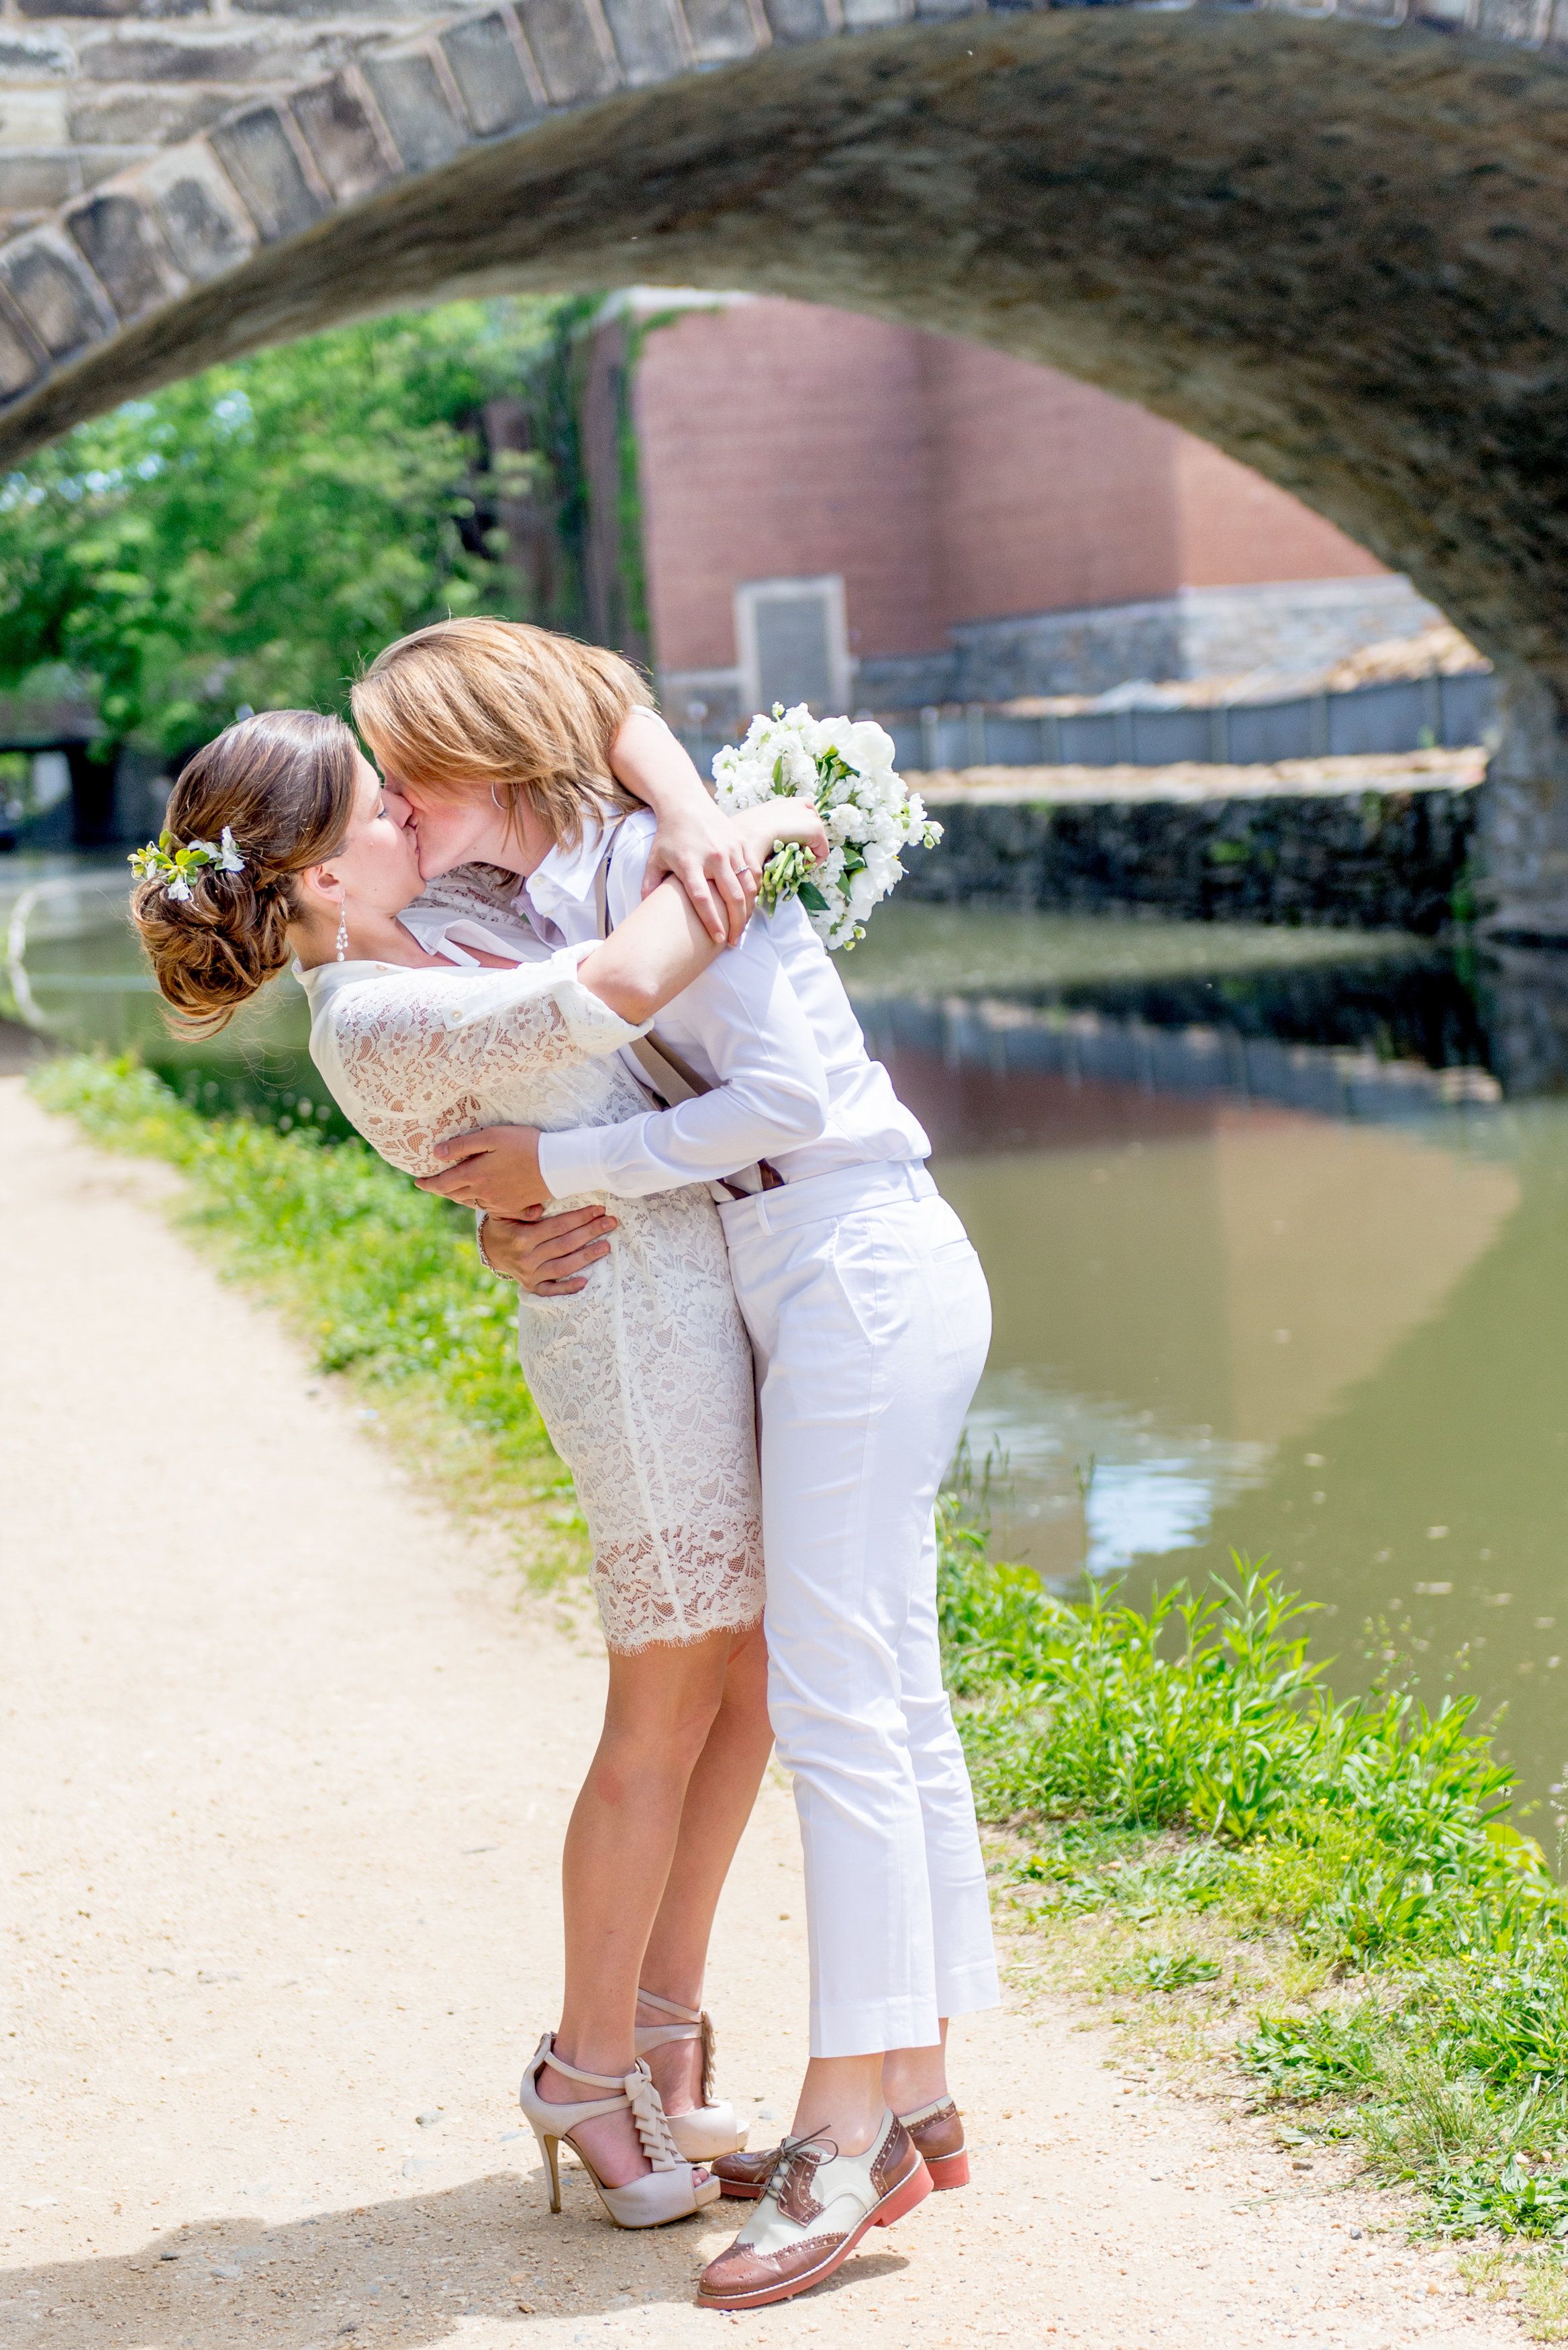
[[769, 1026]]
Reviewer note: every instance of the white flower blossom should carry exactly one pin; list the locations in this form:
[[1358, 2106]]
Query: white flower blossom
[[845, 768]]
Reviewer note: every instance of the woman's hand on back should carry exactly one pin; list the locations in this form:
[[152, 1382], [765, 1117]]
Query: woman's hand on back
[[547, 1257], [495, 1167]]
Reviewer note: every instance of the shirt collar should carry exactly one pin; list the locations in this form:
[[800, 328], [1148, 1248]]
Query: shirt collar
[[567, 874]]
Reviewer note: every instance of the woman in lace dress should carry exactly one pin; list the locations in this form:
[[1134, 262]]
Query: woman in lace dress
[[644, 1380], [646, 1388]]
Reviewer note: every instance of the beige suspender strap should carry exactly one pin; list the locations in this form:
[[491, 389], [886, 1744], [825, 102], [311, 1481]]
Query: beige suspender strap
[[669, 1075], [671, 1078]]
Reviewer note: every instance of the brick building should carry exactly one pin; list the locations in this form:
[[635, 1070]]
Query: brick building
[[789, 500]]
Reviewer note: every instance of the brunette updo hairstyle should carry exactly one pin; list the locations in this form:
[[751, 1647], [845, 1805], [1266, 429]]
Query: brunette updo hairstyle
[[283, 782]]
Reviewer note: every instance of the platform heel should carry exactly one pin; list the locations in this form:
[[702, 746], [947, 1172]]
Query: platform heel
[[714, 2129], [670, 2190]]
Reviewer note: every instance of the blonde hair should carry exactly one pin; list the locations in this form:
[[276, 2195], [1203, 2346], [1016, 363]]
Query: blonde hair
[[284, 784], [475, 706]]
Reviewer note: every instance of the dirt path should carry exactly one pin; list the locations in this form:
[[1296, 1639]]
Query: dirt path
[[286, 1774]]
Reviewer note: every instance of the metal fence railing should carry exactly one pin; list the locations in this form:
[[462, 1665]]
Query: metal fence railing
[[1404, 714]]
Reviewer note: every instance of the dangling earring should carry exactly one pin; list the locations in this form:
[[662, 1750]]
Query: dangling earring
[[343, 933]]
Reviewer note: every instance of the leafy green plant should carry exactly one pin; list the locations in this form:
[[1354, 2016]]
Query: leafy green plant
[[1311, 2056], [1507, 2200], [1178, 1970], [1188, 1756], [250, 535]]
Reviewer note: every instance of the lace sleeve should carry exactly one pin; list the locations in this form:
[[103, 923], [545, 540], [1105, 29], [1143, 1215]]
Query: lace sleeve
[[412, 1057]]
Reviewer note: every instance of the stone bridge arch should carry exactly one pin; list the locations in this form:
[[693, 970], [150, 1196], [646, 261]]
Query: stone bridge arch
[[1335, 244]]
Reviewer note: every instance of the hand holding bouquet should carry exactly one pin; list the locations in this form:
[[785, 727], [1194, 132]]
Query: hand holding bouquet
[[846, 769]]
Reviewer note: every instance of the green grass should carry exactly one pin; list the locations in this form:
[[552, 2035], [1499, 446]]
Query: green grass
[[381, 1281], [1325, 1893], [1189, 1828]]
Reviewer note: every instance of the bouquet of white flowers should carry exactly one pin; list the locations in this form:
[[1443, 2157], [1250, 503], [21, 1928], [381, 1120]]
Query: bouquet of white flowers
[[846, 768]]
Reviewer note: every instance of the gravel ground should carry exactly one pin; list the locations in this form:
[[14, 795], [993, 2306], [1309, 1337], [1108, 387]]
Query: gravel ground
[[285, 1773]]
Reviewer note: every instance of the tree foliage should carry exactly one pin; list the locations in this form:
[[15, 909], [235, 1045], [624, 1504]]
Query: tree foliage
[[253, 534]]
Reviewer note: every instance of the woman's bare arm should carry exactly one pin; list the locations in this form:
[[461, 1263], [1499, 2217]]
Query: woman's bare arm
[[664, 944], [660, 948], [696, 841], [652, 956]]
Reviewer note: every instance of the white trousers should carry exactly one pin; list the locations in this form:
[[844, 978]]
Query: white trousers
[[870, 1319]]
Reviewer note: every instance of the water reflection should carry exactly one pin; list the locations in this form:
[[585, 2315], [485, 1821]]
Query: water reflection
[[1277, 1231], [75, 971], [1291, 1277]]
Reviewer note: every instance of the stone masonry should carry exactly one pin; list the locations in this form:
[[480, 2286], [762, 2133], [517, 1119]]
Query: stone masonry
[[1375, 859], [1333, 243]]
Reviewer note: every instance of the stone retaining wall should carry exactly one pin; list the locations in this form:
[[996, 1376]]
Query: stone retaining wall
[[1297, 625], [1395, 860]]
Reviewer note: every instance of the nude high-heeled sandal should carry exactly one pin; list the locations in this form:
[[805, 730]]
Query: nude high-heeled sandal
[[668, 2192], [714, 2129]]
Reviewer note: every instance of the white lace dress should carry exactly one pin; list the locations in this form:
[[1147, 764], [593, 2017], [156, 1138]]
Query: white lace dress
[[644, 1378]]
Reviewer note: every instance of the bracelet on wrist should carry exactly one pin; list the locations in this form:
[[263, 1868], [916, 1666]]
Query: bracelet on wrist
[[483, 1254]]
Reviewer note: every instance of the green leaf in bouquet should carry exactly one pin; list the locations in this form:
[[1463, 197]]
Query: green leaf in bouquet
[[784, 874], [812, 899]]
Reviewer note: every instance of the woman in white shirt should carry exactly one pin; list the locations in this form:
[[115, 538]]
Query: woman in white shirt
[[869, 1321], [281, 845]]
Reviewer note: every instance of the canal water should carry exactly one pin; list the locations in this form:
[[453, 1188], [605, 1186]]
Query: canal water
[[1276, 1225]]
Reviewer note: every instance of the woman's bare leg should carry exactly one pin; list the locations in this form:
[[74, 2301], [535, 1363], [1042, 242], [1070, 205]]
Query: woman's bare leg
[[720, 1795], [913, 2077], [660, 1708], [841, 2097]]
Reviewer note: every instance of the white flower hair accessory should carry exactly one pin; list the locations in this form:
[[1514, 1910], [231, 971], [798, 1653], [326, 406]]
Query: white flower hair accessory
[[162, 860]]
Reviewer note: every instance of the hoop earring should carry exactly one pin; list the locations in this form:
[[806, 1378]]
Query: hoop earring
[[496, 802], [343, 934]]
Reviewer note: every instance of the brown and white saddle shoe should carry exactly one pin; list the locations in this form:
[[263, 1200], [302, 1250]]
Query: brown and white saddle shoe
[[936, 2131], [814, 2209]]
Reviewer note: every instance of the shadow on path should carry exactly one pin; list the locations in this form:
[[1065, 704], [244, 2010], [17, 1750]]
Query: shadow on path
[[400, 2272]]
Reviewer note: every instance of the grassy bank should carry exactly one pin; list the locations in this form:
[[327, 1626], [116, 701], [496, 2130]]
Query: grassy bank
[[1245, 1871], [1190, 1830]]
